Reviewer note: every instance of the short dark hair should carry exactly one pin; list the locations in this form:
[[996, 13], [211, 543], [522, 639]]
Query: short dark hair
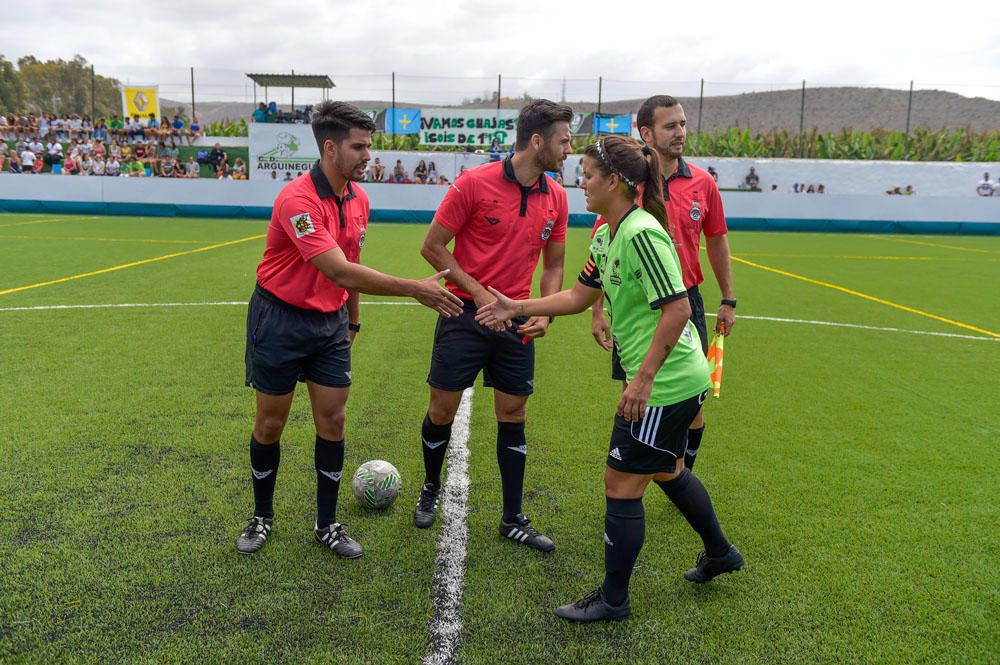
[[538, 117], [644, 118], [333, 121]]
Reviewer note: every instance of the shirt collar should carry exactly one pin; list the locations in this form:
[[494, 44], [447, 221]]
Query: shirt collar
[[508, 174], [323, 187], [683, 170]]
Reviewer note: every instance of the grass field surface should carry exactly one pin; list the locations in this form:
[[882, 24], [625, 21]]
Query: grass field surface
[[855, 467]]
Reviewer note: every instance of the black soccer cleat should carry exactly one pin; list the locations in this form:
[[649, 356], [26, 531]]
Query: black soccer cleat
[[708, 567], [521, 531], [255, 535], [426, 511], [336, 538], [593, 607]]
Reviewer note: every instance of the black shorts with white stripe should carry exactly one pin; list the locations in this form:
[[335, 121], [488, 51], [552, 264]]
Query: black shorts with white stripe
[[655, 443]]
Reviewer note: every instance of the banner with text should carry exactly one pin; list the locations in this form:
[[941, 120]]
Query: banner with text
[[472, 127], [277, 150], [141, 101]]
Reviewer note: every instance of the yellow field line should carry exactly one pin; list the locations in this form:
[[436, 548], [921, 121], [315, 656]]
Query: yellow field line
[[103, 271], [861, 257], [48, 220], [933, 244], [858, 294], [143, 240]]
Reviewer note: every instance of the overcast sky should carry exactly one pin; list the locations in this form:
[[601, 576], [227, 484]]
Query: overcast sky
[[734, 46]]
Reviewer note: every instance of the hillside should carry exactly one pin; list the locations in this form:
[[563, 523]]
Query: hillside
[[827, 109]]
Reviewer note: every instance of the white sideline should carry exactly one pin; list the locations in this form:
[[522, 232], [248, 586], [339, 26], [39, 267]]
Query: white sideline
[[449, 576], [776, 319]]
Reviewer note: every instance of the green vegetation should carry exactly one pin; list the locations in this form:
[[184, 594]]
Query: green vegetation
[[56, 86], [856, 469]]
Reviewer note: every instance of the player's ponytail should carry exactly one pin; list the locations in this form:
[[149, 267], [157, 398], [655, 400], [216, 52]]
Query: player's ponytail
[[652, 191]]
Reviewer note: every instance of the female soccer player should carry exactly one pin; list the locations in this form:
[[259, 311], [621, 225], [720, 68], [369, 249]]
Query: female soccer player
[[633, 261]]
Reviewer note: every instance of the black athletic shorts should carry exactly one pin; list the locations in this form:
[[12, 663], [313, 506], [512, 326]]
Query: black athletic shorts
[[655, 443], [697, 318], [463, 347], [286, 344]]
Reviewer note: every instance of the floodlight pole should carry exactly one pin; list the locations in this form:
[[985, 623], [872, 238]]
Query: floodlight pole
[[293, 92], [802, 122], [499, 87], [193, 114], [93, 94], [392, 124], [701, 101], [909, 107]]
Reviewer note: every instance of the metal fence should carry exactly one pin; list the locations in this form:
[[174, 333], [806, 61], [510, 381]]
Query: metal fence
[[214, 94]]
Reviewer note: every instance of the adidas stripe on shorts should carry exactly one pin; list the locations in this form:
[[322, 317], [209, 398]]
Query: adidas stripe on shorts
[[655, 443]]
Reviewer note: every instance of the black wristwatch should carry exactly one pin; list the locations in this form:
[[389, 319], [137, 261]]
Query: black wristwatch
[[730, 302], [354, 327]]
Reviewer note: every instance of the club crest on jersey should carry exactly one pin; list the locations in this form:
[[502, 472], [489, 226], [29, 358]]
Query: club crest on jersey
[[547, 231], [598, 245], [303, 225], [615, 277], [361, 238], [695, 211]]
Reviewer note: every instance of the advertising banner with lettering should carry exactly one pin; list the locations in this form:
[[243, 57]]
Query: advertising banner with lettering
[[469, 127], [141, 101], [281, 150]]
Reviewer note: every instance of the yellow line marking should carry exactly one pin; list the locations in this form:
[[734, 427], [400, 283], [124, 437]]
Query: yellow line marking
[[933, 244], [48, 220], [103, 271], [145, 240], [881, 301]]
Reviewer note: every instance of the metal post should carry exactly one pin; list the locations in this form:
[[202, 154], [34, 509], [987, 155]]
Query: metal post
[[392, 124], [293, 93], [499, 87], [600, 85], [193, 115], [909, 107], [701, 101], [93, 95], [802, 122]]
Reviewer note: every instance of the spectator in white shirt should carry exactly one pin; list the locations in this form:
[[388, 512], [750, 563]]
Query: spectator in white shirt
[[985, 186]]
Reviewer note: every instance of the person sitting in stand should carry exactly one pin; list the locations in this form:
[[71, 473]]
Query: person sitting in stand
[[260, 113], [168, 168], [192, 169], [99, 167], [420, 173], [752, 181], [194, 131], [432, 174], [378, 171], [239, 169]]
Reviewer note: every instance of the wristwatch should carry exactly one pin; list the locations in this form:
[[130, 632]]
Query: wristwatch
[[354, 327], [730, 302]]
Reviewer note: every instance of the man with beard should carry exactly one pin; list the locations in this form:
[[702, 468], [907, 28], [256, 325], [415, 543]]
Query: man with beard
[[304, 314], [502, 216]]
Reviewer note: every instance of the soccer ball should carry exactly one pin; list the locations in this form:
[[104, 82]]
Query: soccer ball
[[376, 484]]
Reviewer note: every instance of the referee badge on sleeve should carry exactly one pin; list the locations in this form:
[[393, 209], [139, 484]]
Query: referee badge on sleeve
[[302, 224], [547, 231]]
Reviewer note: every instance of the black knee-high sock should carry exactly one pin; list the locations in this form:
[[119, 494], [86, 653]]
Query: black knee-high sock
[[694, 443], [435, 443], [329, 465], [691, 498], [264, 469], [624, 533], [512, 452]]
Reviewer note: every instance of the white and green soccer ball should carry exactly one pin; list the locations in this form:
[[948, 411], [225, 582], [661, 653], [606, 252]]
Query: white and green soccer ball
[[376, 484]]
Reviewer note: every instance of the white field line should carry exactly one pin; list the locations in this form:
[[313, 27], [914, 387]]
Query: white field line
[[775, 319], [449, 576]]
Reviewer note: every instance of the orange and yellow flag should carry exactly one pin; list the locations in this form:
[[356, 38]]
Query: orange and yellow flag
[[715, 362]]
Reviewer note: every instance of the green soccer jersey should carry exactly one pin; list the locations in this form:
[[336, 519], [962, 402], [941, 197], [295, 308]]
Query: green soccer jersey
[[638, 270]]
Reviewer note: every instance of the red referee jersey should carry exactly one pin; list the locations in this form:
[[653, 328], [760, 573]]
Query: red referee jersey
[[693, 205], [308, 219], [501, 227]]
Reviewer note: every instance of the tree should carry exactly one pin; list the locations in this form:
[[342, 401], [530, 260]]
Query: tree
[[12, 90], [59, 86]]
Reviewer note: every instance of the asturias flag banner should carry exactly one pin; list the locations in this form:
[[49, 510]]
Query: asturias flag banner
[[613, 124], [402, 121]]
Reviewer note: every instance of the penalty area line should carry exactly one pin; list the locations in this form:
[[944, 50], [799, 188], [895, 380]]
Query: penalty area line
[[449, 576]]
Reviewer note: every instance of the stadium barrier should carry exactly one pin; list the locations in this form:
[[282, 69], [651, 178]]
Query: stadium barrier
[[415, 203]]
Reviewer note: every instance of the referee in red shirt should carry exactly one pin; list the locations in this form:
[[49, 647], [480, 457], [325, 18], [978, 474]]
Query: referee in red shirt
[[502, 217], [304, 314], [694, 206]]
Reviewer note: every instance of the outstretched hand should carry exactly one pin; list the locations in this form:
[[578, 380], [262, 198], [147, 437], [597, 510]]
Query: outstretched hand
[[430, 293], [497, 313]]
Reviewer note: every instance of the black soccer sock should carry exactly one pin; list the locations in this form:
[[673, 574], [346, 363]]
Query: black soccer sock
[[624, 533], [691, 498], [694, 443], [264, 469], [435, 444], [512, 452], [329, 465]]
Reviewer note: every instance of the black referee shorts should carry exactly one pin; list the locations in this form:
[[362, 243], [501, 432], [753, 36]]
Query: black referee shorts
[[655, 443], [463, 348], [697, 318], [286, 344]]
